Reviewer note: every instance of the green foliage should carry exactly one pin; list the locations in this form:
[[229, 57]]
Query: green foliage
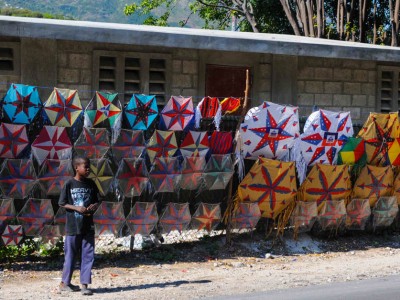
[[166, 253], [20, 12]]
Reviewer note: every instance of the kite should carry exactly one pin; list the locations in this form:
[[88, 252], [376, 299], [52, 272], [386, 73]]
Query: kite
[[206, 217], [325, 132], [218, 172], [379, 131], [12, 235], [358, 213], [326, 182], [60, 219], [63, 107], [13, 140], [51, 233], [230, 105], [177, 113], [208, 107], [385, 211], [102, 174], [93, 143], [142, 218], [162, 144], [17, 177], [132, 176], [269, 130], [21, 104], [53, 174], [353, 152], [192, 170], [129, 144], [141, 111], [165, 174], [195, 144], [52, 143], [246, 216], [332, 214], [373, 183], [35, 214], [7, 211], [304, 216], [109, 218], [176, 216], [271, 184], [394, 152], [396, 188], [221, 142]]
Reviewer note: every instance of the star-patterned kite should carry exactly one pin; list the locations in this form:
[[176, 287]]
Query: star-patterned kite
[[101, 173], [63, 107], [332, 214], [13, 140], [93, 143], [132, 176], [109, 218], [176, 216], [385, 211], [195, 144], [192, 171], [142, 218], [129, 144], [358, 213], [17, 178], [7, 212], [304, 216], [141, 111], [35, 214], [60, 219], [206, 217], [165, 174], [53, 174], [246, 215], [12, 235], [51, 233], [394, 152], [396, 188], [218, 172], [162, 144], [177, 113]]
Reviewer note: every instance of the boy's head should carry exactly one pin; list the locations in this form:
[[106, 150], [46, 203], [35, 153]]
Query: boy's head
[[81, 166]]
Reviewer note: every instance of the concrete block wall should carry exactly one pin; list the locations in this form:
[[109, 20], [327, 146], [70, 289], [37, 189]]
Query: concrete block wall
[[337, 84]]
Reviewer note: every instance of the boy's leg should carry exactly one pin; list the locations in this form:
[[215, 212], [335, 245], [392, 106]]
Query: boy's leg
[[87, 259], [71, 248]]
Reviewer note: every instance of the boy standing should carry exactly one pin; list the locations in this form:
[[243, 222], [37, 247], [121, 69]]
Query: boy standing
[[80, 199]]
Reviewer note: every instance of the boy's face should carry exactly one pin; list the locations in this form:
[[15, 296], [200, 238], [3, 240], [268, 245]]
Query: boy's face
[[83, 169]]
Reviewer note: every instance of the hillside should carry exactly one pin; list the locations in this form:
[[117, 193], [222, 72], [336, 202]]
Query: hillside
[[94, 10]]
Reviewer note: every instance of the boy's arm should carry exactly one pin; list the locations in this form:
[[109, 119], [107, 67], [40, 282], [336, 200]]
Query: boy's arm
[[79, 209]]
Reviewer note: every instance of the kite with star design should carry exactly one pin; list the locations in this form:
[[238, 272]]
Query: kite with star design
[[52, 143], [192, 171], [93, 143], [218, 172], [325, 182], [53, 174], [51, 234], [13, 140], [396, 188], [394, 152], [385, 211], [246, 215], [332, 214], [102, 174], [195, 144], [109, 218], [142, 218], [177, 113], [165, 174], [21, 104], [269, 130], [373, 183], [162, 144], [358, 212], [271, 184], [129, 143], [35, 214], [141, 111], [12, 235], [7, 211], [304, 216], [206, 217], [60, 219], [132, 176], [175, 217], [379, 132], [63, 107], [17, 178]]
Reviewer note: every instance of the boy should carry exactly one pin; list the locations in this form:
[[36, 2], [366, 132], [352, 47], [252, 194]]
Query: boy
[[80, 199]]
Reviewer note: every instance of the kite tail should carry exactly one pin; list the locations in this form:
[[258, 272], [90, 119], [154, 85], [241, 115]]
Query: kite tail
[[284, 217], [197, 116], [218, 117], [301, 164], [231, 209], [116, 129], [239, 161]]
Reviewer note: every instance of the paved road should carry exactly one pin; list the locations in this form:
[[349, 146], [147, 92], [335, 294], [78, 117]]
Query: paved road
[[380, 288]]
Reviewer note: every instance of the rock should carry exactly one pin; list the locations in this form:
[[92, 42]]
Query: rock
[[268, 256], [237, 264], [352, 252]]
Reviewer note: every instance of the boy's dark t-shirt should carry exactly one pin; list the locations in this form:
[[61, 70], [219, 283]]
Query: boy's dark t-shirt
[[79, 193]]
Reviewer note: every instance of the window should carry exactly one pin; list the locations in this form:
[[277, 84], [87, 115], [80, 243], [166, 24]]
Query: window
[[9, 58], [388, 89], [132, 73]]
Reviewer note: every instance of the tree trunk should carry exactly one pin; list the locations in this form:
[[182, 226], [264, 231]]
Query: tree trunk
[[309, 16], [394, 21], [320, 19], [290, 16], [303, 16], [375, 30]]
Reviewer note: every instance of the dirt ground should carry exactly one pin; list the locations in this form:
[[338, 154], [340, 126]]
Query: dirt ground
[[210, 268]]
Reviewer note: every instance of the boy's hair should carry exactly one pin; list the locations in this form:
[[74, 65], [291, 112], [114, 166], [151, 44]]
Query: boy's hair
[[79, 160]]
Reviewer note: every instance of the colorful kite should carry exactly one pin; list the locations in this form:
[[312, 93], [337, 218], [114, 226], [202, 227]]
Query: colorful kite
[[35, 214], [271, 184], [162, 144], [373, 183], [132, 176], [304, 216], [13, 140], [176, 216], [21, 104], [195, 144], [218, 172], [230, 105], [53, 174], [379, 131], [7, 211], [192, 171], [52, 143], [93, 143], [142, 218], [358, 213], [17, 177], [385, 211], [141, 111], [353, 152], [109, 218], [332, 214], [269, 130], [63, 107], [165, 174], [394, 152], [102, 174], [51, 233], [206, 217], [221, 142], [209, 107], [177, 113], [129, 144], [326, 182], [396, 188], [60, 219], [246, 215], [12, 235]]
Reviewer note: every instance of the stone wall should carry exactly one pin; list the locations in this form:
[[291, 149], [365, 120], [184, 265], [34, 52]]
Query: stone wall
[[336, 84]]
